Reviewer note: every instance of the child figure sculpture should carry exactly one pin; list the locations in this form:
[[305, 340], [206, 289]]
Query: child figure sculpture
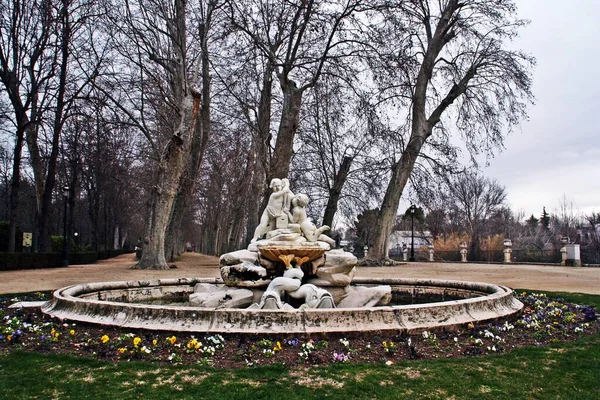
[[278, 205], [309, 230]]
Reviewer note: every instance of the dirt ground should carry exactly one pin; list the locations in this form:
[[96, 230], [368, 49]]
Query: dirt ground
[[537, 277]]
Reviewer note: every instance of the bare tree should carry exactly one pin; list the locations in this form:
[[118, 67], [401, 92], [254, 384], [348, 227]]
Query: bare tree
[[338, 160], [25, 69], [41, 77], [449, 59], [184, 198], [298, 39], [476, 200]]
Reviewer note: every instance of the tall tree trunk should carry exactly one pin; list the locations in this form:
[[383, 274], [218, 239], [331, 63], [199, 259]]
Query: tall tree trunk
[[48, 187], [400, 173], [175, 156], [170, 170], [35, 159], [261, 143], [15, 186], [185, 196], [336, 190], [288, 126]]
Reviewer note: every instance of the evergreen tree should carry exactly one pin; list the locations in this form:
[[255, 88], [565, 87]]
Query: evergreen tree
[[545, 219]]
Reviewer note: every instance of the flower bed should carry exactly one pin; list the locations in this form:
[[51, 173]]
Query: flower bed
[[544, 320]]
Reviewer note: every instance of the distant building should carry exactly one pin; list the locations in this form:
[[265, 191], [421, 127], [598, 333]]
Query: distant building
[[399, 239]]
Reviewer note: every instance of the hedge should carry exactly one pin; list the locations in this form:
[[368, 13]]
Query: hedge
[[16, 261]]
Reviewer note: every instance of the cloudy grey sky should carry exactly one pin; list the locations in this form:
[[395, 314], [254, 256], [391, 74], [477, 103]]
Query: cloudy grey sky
[[557, 152]]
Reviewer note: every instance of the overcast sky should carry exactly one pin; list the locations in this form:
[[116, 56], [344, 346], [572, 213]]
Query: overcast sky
[[557, 151]]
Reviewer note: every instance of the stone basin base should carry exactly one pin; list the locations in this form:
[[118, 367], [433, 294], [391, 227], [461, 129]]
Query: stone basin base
[[117, 304]]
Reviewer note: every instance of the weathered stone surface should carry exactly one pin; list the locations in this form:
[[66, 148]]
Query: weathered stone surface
[[300, 242], [214, 296], [361, 296], [27, 304], [339, 261], [481, 302], [338, 269], [238, 257], [245, 275]]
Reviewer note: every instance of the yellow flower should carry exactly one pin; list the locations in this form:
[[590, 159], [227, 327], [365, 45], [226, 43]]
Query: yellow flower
[[122, 350], [9, 337], [194, 344], [277, 346], [52, 332], [104, 339], [154, 341], [136, 341], [72, 332], [172, 339]]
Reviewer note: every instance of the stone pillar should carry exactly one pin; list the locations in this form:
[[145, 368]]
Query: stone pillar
[[366, 249], [430, 252], [405, 254], [463, 252], [563, 255], [573, 255], [563, 250], [507, 250]]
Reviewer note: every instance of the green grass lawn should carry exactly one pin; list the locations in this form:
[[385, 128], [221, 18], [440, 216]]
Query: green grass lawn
[[557, 371]]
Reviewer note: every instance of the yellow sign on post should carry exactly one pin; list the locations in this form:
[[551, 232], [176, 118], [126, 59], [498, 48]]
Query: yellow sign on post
[[27, 236]]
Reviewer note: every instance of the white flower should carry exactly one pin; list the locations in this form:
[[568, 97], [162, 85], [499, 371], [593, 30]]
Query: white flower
[[488, 334]]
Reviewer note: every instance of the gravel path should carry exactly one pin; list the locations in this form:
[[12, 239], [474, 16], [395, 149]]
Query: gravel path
[[538, 277]]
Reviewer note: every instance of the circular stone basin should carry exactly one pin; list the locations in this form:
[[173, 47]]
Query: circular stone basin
[[117, 304]]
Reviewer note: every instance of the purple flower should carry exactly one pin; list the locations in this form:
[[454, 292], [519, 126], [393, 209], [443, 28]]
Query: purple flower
[[590, 314]]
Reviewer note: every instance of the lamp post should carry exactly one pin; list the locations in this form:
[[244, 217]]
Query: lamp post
[[65, 255], [412, 232]]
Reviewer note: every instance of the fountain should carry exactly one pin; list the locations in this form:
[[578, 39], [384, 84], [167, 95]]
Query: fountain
[[289, 282]]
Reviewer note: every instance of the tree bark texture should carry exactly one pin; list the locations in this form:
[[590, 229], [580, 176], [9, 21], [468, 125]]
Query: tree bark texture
[[288, 126], [14, 189], [389, 208], [260, 141], [170, 170], [185, 196]]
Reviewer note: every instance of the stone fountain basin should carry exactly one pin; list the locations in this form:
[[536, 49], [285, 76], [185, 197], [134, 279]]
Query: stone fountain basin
[[116, 304], [273, 252]]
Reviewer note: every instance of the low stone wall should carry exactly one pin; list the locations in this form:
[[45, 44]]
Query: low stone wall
[[95, 303]]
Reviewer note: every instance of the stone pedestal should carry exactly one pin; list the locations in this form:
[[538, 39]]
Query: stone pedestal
[[563, 256], [405, 255], [573, 255], [431, 252], [507, 251], [507, 256], [463, 252]]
